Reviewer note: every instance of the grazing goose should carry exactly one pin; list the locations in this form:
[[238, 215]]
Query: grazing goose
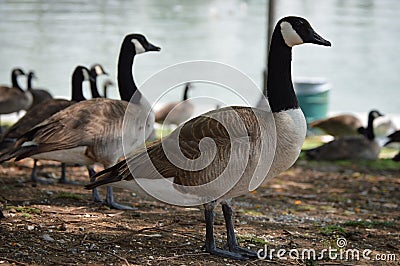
[[363, 146], [14, 98], [91, 131], [252, 131], [39, 95], [38, 114], [394, 137], [177, 112]]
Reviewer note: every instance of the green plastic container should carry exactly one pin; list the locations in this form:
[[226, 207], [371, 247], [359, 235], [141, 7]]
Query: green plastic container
[[313, 96]]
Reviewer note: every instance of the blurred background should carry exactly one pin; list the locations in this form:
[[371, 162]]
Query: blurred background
[[52, 37]]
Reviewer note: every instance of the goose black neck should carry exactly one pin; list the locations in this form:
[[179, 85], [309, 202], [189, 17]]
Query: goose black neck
[[280, 91], [77, 93], [370, 127], [93, 88], [126, 84], [14, 80], [105, 87], [29, 82], [185, 93]]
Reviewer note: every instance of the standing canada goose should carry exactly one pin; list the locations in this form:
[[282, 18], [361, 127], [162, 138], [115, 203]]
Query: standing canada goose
[[363, 146], [177, 112], [91, 131], [107, 83], [394, 137], [39, 113], [252, 130], [39, 95], [14, 98]]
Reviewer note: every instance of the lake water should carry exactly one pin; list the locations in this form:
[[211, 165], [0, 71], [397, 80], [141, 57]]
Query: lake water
[[52, 37]]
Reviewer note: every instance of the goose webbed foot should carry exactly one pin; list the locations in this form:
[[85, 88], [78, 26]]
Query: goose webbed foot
[[210, 241], [109, 201], [232, 244], [239, 250]]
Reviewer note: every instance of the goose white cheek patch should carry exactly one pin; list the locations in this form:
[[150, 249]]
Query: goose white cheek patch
[[85, 74], [98, 70], [290, 36], [138, 46]]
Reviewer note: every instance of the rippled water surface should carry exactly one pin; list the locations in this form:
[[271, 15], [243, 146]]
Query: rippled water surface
[[52, 37]]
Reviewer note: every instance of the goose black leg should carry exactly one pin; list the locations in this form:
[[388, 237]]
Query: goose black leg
[[34, 177], [109, 201], [232, 244], [63, 178], [210, 241], [95, 193]]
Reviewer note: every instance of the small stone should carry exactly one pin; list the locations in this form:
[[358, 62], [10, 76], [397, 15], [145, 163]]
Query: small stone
[[46, 237], [30, 227]]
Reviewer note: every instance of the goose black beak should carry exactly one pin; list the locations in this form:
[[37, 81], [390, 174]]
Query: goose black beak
[[151, 47], [317, 39]]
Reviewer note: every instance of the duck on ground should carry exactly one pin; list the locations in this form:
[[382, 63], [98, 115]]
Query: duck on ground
[[252, 129]]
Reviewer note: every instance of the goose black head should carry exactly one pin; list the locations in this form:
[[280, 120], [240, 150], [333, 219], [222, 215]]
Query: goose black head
[[140, 43], [297, 30], [97, 70], [82, 73], [374, 114], [18, 72], [32, 75]]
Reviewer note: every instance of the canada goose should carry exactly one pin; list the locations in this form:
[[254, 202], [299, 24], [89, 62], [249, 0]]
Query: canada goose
[[363, 146], [177, 112], [251, 131], [107, 83], [96, 70], [39, 95], [394, 137], [92, 131], [348, 125], [14, 98], [39, 113]]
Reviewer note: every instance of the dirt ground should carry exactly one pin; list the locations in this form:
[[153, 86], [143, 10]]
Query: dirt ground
[[307, 207]]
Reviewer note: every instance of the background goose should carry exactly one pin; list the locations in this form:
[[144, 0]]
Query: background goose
[[363, 146], [95, 71], [39, 95], [92, 131], [348, 125], [394, 137], [41, 112], [14, 98], [176, 113], [252, 129]]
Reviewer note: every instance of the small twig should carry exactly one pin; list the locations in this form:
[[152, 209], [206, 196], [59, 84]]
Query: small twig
[[13, 261], [183, 255]]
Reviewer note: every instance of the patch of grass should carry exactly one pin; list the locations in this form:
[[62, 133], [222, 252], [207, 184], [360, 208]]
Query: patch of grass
[[331, 230], [369, 224], [253, 213], [68, 195], [24, 209], [252, 239], [26, 215]]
